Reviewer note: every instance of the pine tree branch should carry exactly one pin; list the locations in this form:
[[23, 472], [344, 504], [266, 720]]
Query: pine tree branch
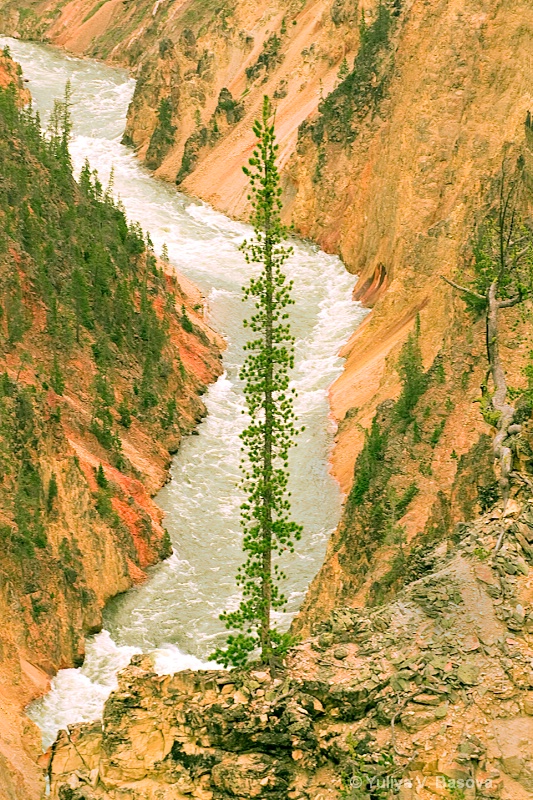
[[525, 250]]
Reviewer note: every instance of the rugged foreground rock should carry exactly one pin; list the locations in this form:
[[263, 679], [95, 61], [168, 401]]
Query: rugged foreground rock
[[431, 695]]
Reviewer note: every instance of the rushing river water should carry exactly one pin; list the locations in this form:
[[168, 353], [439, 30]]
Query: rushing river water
[[176, 612]]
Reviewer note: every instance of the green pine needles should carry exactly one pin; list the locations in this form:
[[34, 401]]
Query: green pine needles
[[265, 515]]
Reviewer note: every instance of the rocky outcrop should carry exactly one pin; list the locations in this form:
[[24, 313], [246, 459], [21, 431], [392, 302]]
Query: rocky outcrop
[[427, 695]]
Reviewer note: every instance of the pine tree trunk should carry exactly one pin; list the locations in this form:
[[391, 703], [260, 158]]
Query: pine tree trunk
[[266, 588], [499, 400]]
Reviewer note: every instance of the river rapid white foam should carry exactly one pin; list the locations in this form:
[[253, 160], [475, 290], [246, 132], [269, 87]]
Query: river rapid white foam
[[175, 614]]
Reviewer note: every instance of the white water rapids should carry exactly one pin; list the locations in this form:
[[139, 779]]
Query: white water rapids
[[176, 612]]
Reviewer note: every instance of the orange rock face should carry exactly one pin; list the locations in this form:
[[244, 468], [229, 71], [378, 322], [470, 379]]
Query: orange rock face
[[45, 625]]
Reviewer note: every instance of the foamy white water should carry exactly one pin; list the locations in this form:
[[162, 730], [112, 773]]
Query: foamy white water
[[176, 612]]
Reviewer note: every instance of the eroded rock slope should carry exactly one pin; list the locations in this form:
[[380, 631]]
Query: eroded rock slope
[[432, 693]]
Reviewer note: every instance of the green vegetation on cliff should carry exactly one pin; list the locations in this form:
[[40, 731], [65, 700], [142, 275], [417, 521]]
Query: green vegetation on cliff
[[502, 278], [227, 113], [163, 135], [72, 266], [94, 392], [397, 456], [362, 88], [399, 448], [269, 58], [85, 311]]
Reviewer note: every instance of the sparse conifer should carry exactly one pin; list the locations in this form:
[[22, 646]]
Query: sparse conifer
[[268, 529]]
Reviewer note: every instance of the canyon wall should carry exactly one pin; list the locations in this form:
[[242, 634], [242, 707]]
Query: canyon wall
[[391, 130], [82, 449], [402, 191]]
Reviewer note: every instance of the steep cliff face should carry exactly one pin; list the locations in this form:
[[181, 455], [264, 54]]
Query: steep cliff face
[[103, 358], [400, 195]]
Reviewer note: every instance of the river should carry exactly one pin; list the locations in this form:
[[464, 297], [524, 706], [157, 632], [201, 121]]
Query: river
[[175, 614]]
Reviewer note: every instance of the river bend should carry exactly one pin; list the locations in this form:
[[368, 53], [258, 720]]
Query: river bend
[[176, 612]]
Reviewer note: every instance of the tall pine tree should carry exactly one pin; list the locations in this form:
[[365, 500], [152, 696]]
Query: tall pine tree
[[268, 529]]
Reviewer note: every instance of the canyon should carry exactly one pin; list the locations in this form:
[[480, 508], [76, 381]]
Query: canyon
[[396, 195], [388, 163]]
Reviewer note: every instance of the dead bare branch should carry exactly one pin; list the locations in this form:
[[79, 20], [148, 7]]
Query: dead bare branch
[[463, 289], [511, 301]]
